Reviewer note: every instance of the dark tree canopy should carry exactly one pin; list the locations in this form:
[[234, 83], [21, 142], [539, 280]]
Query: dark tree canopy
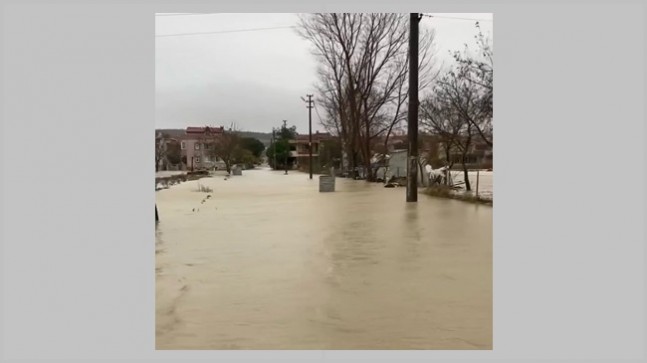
[[255, 146], [279, 150], [174, 153]]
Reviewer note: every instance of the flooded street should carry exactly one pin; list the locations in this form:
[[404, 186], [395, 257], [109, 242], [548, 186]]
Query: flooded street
[[268, 262]]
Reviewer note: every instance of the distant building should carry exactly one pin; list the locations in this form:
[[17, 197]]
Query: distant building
[[432, 149], [300, 148], [196, 146], [478, 156]]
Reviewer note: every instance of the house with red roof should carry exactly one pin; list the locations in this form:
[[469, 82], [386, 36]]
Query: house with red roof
[[196, 146]]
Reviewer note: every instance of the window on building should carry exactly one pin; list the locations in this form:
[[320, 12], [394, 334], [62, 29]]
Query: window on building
[[197, 146], [197, 159], [182, 145]]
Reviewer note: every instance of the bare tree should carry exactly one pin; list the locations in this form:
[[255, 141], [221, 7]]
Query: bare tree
[[161, 140], [335, 38], [440, 119], [460, 107], [453, 113], [225, 146], [478, 70], [428, 73], [363, 72]]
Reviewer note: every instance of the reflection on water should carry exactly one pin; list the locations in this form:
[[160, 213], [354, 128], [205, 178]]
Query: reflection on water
[[268, 262]]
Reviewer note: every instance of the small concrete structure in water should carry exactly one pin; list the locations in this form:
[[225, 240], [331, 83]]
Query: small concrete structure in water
[[326, 183]]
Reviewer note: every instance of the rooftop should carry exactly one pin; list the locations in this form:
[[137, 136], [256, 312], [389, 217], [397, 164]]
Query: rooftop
[[204, 129]]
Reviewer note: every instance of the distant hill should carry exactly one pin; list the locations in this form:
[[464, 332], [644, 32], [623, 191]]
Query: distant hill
[[171, 132], [264, 137]]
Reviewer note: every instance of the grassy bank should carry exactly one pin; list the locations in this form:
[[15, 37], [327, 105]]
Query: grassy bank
[[442, 191]]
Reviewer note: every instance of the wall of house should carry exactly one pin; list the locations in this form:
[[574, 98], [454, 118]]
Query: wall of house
[[301, 148], [303, 164], [397, 166], [205, 159]]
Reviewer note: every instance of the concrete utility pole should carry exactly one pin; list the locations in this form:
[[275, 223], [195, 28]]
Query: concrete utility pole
[[412, 164], [309, 101], [288, 150]]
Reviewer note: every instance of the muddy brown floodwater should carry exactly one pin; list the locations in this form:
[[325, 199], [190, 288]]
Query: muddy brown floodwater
[[268, 262]]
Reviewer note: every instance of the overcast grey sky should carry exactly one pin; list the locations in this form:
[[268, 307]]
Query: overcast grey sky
[[254, 78]]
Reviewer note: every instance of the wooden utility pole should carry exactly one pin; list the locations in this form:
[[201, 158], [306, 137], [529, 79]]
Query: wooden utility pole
[[309, 101], [157, 217], [412, 162]]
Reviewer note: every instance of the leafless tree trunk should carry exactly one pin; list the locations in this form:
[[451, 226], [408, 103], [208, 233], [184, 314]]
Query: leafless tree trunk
[[465, 150], [440, 119]]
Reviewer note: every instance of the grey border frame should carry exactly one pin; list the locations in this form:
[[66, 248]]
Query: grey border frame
[[569, 275]]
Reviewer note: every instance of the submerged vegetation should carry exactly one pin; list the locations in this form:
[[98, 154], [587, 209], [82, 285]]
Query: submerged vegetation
[[444, 191]]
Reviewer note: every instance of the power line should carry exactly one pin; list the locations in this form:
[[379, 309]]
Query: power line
[[173, 14], [186, 14], [455, 18], [224, 31], [278, 27]]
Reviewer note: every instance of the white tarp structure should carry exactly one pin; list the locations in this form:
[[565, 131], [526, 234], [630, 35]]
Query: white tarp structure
[[436, 175]]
